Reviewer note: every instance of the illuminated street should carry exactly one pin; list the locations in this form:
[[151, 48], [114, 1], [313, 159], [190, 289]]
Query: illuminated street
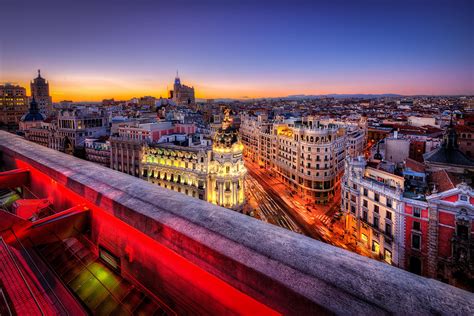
[[266, 208], [274, 203]]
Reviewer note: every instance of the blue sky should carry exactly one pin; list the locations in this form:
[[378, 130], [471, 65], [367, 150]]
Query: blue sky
[[99, 49]]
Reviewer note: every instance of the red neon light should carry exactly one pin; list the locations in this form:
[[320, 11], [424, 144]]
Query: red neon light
[[14, 178], [138, 245]]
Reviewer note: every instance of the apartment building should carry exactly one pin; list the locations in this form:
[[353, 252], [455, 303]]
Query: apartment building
[[372, 202], [427, 231], [13, 104], [307, 154]]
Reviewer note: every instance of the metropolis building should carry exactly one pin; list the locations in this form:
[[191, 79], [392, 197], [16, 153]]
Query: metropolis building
[[212, 173]]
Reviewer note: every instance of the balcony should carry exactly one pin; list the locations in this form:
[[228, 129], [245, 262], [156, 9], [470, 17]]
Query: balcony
[[199, 258]]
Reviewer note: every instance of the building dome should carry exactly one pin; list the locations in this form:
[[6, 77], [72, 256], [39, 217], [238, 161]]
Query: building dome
[[33, 114], [226, 136]]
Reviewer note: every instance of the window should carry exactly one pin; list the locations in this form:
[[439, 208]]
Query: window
[[376, 222], [462, 231], [389, 202], [416, 241], [388, 229], [388, 256], [364, 203], [364, 216], [388, 215], [375, 246], [376, 209], [376, 197], [366, 193], [417, 212], [417, 226]]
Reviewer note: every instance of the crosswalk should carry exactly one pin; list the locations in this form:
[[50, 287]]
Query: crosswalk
[[324, 218]]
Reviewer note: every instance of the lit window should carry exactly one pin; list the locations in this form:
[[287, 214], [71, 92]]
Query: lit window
[[388, 256]]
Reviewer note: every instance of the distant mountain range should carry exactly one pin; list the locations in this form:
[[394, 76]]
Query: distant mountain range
[[305, 96], [343, 96]]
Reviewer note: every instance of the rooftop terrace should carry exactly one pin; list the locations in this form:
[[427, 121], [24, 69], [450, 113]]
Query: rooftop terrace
[[199, 258]]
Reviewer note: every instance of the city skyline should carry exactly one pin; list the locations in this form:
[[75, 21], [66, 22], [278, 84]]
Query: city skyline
[[240, 51]]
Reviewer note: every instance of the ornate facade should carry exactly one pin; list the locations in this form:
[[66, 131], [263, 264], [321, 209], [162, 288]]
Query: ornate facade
[[212, 173]]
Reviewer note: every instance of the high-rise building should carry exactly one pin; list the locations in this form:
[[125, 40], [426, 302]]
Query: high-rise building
[[182, 94], [13, 104], [40, 91]]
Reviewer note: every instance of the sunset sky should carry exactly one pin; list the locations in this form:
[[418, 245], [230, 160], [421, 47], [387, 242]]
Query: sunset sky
[[91, 50]]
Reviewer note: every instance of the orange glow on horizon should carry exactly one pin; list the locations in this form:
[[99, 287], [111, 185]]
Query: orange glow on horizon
[[95, 87]]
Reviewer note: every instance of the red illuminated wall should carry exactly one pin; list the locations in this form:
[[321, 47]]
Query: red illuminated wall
[[422, 254], [452, 198], [445, 233], [186, 287]]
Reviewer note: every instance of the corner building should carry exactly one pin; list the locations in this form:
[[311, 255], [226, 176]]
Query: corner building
[[429, 234], [307, 154]]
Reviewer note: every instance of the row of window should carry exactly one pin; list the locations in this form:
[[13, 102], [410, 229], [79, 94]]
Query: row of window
[[388, 202]]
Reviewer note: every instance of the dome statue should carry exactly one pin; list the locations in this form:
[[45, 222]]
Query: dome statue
[[227, 135]]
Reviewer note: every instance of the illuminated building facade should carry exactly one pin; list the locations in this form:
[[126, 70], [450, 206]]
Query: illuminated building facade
[[428, 234], [130, 137], [372, 201], [182, 94], [40, 91], [191, 166], [307, 154], [13, 104]]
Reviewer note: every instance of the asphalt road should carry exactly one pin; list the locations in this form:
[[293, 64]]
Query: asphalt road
[[279, 213]]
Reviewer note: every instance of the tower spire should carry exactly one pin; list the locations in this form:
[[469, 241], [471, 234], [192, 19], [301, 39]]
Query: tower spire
[[39, 73]]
